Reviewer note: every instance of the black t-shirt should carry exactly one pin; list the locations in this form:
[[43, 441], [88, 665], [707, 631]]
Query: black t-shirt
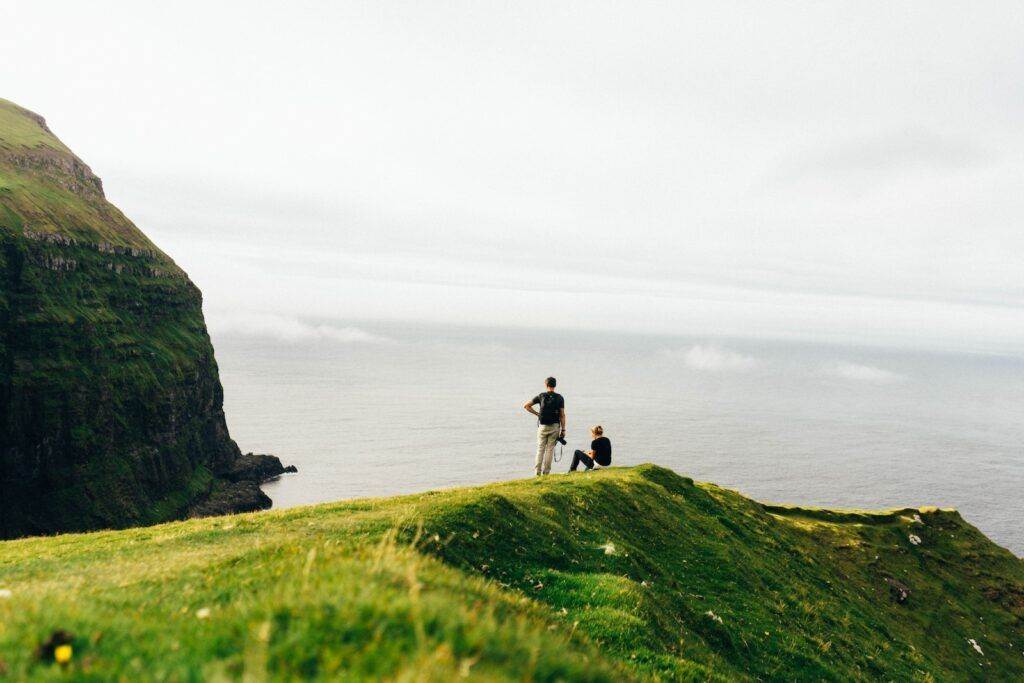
[[551, 405], [602, 448]]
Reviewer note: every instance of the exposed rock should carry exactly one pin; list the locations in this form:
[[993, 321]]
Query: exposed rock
[[898, 590], [239, 487], [257, 468], [231, 497], [1008, 595], [714, 617]]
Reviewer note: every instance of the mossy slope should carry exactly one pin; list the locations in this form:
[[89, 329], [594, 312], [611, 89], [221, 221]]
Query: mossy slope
[[625, 574], [110, 403]]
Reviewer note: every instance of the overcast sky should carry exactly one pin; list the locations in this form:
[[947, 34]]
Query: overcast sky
[[820, 170]]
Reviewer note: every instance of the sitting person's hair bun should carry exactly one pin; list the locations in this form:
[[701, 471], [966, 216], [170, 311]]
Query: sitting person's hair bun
[[599, 430]]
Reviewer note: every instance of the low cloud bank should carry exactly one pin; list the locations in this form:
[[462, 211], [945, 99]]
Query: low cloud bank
[[712, 359], [287, 329], [862, 373]]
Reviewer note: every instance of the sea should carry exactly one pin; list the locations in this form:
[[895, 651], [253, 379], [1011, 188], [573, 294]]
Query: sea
[[384, 409]]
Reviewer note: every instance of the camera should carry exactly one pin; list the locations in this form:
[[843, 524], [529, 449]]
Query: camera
[[561, 440]]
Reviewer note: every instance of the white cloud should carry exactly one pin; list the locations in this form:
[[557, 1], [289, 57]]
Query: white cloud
[[712, 359], [862, 373], [288, 329]]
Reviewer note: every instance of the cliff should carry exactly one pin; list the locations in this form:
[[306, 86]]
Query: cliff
[[110, 403], [631, 574]]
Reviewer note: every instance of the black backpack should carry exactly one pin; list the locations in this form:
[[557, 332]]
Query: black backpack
[[550, 405]]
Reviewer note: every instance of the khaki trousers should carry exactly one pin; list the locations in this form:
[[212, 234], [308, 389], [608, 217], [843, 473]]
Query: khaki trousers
[[547, 437]]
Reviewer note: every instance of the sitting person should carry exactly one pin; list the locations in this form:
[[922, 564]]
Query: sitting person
[[600, 451]]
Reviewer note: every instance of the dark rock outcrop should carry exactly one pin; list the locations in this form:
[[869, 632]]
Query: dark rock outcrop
[[229, 497], [111, 409], [256, 468], [239, 487]]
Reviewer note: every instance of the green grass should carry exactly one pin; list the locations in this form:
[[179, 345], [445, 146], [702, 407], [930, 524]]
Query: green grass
[[20, 129], [625, 574], [35, 189], [34, 200]]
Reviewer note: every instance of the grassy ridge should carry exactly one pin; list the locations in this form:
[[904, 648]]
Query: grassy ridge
[[22, 130], [618, 575], [41, 189]]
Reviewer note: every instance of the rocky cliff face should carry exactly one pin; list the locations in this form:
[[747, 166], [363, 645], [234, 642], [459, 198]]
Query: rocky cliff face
[[110, 402]]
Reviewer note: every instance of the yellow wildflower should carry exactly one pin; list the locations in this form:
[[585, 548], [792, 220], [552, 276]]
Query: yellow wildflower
[[62, 653]]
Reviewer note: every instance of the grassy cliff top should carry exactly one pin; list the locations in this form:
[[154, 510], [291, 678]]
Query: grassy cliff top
[[46, 192], [624, 574], [22, 129]]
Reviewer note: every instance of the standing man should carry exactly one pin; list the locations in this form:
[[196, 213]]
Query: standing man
[[551, 419]]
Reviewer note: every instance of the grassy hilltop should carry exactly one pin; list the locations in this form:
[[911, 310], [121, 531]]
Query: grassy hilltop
[[625, 574]]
